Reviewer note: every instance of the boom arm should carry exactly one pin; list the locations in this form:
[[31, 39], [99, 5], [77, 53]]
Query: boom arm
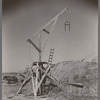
[[54, 19]]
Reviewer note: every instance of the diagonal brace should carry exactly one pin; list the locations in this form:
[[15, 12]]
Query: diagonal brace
[[31, 42]]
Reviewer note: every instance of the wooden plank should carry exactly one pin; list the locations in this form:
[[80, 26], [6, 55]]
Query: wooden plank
[[23, 83], [33, 85], [39, 78], [36, 81], [46, 31], [40, 56], [76, 85], [22, 75], [31, 42]]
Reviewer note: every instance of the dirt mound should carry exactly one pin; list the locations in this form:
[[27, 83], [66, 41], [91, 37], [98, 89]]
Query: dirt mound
[[77, 72]]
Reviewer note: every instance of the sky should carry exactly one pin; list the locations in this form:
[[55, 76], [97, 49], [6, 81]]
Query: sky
[[22, 18]]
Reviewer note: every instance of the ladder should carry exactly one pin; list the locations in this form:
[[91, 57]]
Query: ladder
[[50, 56]]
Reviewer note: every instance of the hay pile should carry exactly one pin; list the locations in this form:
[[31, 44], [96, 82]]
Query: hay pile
[[85, 73], [94, 60]]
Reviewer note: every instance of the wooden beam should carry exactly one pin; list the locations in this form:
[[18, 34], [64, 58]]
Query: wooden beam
[[36, 80], [23, 83], [33, 85], [46, 31], [22, 75], [31, 42], [77, 85]]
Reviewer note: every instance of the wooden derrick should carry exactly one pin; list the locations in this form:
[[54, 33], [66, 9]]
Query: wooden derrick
[[41, 73]]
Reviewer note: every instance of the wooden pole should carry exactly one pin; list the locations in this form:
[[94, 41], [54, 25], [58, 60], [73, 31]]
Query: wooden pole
[[40, 47], [22, 84], [40, 58], [36, 81], [34, 90]]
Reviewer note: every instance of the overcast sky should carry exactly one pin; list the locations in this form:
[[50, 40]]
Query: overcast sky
[[21, 18]]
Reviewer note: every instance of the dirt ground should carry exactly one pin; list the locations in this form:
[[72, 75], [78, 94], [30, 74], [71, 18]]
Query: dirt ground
[[9, 91]]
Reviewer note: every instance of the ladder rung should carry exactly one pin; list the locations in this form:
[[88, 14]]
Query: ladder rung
[[51, 53], [50, 57], [50, 60]]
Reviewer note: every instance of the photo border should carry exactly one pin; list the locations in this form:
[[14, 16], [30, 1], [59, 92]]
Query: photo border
[[1, 49]]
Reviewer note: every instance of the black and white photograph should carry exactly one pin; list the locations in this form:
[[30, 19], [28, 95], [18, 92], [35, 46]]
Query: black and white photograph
[[49, 49]]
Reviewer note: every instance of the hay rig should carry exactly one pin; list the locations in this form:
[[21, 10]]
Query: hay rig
[[38, 73]]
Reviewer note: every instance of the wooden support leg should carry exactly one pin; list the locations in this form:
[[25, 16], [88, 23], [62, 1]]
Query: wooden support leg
[[34, 90], [36, 81], [39, 78], [22, 84]]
